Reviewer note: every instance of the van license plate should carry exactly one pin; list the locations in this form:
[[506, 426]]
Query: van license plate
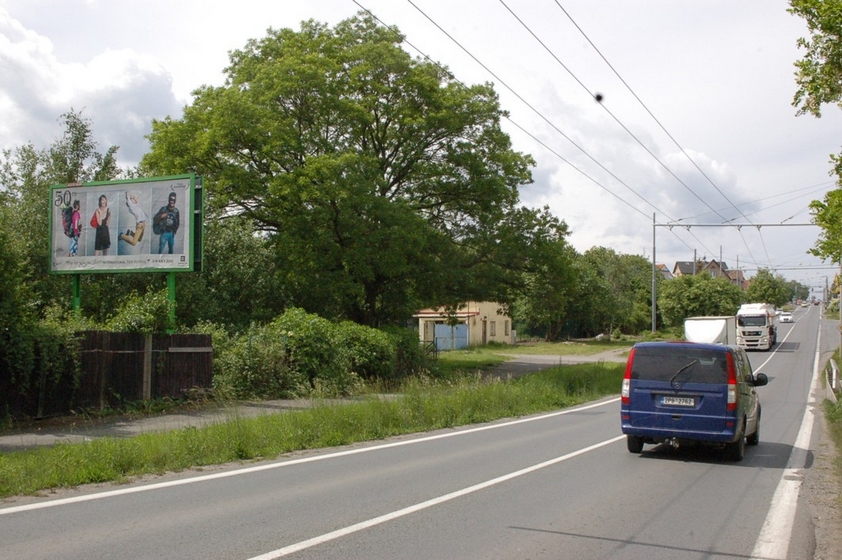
[[678, 401]]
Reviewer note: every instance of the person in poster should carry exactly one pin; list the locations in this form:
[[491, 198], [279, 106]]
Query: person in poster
[[140, 217], [75, 228], [100, 221], [165, 223]]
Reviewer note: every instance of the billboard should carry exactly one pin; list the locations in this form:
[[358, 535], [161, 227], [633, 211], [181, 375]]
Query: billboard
[[150, 224]]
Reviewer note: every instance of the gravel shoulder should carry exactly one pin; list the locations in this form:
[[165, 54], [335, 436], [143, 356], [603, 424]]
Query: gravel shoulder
[[822, 487]]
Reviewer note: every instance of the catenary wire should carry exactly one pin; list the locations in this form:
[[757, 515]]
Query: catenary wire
[[583, 173], [531, 107], [623, 126]]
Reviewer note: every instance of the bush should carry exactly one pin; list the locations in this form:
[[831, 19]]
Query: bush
[[148, 313], [410, 357], [255, 364], [301, 354], [295, 355], [370, 353], [309, 340]]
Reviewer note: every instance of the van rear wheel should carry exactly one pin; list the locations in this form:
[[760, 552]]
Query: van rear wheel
[[634, 443], [737, 451], [754, 438]]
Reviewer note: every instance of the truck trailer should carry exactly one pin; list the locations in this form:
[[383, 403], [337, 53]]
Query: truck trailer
[[711, 329], [757, 326]]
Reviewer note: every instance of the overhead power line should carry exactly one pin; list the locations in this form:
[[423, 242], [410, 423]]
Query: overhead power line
[[543, 117]]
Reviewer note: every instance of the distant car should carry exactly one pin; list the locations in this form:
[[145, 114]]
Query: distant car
[[786, 317], [805, 304]]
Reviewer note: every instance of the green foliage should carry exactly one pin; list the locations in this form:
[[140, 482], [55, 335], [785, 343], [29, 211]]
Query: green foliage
[[311, 351], [238, 284], [295, 355], [827, 215], [371, 353], [548, 289], [26, 174], [16, 315], [256, 365], [767, 288], [143, 313], [411, 358], [819, 73], [697, 295], [600, 291], [301, 354], [819, 79], [628, 289]]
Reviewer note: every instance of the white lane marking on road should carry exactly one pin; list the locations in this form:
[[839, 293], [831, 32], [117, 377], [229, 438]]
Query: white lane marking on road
[[270, 466], [776, 533], [427, 504]]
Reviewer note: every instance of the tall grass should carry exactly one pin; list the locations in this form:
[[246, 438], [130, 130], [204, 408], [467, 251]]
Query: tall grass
[[422, 405]]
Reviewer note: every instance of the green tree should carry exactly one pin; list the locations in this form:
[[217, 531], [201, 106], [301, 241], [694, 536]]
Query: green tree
[[15, 310], [26, 174], [797, 290], [765, 287], [591, 308], [629, 282], [382, 183], [819, 73], [819, 79], [547, 292], [238, 283], [696, 296]]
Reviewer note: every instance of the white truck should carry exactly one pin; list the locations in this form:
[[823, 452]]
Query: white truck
[[756, 326], [711, 329]]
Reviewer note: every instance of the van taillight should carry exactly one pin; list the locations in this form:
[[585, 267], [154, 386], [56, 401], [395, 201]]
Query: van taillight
[[732, 383], [625, 394]]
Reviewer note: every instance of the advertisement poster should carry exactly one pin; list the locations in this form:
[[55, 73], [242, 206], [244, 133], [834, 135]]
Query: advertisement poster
[[122, 226]]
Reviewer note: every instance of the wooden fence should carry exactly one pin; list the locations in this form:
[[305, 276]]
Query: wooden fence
[[117, 368]]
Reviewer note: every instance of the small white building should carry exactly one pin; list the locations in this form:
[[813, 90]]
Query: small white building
[[476, 323]]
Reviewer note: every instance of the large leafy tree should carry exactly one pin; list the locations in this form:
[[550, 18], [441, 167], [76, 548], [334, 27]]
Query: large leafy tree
[[765, 287], [695, 296], [548, 291], [819, 79], [381, 181], [15, 312], [591, 308], [629, 282]]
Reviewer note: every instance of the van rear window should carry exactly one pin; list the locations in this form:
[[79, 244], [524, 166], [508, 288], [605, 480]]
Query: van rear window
[[685, 365]]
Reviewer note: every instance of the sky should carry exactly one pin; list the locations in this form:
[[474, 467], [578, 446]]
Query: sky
[[695, 149]]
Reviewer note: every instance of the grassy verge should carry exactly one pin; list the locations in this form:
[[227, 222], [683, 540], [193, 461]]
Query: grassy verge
[[423, 405], [833, 415]]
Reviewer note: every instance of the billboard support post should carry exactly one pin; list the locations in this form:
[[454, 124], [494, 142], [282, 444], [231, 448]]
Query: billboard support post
[[77, 294], [171, 298]]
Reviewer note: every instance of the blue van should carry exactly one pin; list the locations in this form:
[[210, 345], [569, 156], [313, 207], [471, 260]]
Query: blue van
[[690, 393]]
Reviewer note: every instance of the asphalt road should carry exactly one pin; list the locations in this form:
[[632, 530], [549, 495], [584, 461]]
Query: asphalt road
[[558, 485]]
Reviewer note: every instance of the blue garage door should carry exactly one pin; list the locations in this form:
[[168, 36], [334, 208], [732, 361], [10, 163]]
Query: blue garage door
[[451, 338]]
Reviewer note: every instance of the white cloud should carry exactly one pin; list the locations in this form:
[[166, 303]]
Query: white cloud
[[120, 91]]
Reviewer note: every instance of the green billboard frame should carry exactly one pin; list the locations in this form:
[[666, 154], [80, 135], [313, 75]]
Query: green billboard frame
[[131, 237], [167, 209]]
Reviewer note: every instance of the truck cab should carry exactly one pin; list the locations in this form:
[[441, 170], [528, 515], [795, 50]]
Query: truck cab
[[756, 326]]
